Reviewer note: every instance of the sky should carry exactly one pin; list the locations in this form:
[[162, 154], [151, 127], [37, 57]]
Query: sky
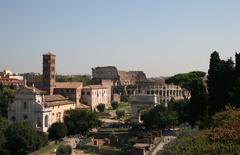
[[160, 37]]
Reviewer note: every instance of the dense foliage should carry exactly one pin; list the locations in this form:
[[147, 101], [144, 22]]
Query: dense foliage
[[85, 79], [22, 138], [120, 113], [80, 121], [114, 105], [6, 98], [162, 116], [64, 150], [57, 131], [101, 107], [181, 107], [222, 138], [223, 82], [185, 79]]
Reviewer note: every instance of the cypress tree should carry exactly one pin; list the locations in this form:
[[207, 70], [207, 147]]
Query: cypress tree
[[213, 81]]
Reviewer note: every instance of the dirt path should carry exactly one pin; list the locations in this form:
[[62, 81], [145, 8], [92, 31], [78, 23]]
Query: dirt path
[[166, 140]]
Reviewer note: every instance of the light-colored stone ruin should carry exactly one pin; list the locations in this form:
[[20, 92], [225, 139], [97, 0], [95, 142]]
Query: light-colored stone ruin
[[139, 103]]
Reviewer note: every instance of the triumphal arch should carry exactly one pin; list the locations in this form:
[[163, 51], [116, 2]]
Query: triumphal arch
[[139, 103]]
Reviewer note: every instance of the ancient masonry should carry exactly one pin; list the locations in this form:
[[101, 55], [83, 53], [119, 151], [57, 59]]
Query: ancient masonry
[[49, 72], [124, 78]]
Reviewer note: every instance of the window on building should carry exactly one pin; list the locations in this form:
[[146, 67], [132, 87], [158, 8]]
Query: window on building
[[39, 124], [148, 92], [25, 117], [58, 116], [88, 93], [13, 118], [46, 121], [83, 93], [152, 92], [25, 105]]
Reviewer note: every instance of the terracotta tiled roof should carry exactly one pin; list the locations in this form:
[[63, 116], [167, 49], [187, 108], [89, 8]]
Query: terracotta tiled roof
[[94, 87], [52, 98], [58, 103], [82, 106], [56, 100], [70, 85]]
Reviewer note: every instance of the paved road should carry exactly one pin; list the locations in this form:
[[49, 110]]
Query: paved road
[[160, 146]]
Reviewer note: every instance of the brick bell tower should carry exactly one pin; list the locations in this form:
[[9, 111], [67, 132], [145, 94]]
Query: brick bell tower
[[49, 72]]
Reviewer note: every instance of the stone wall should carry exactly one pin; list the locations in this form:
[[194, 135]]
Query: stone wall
[[131, 77], [105, 73]]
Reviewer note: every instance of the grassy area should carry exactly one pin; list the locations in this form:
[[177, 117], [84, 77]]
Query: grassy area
[[47, 150], [122, 106]]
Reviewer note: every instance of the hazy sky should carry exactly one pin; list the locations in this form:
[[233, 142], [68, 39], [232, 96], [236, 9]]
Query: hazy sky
[[161, 37]]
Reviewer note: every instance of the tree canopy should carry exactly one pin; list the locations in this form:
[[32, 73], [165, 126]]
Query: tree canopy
[[162, 116], [80, 121], [185, 79], [85, 79], [101, 107], [7, 96], [57, 131], [22, 138], [222, 137], [223, 82]]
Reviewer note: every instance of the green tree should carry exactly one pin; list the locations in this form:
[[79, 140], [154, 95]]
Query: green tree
[[181, 107], [101, 107], [120, 113], [22, 138], [6, 98], [221, 81], [85, 79], [185, 79], [2, 143], [236, 89], [197, 108], [80, 121], [162, 116], [222, 138], [64, 150], [114, 105], [57, 131], [4, 123]]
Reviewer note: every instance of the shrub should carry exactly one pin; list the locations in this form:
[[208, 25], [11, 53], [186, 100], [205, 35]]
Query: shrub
[[114, 105], [222, 138], [101, 107], [64, 150], [80, 121], [57, 131], [22, 138], [120, 113]]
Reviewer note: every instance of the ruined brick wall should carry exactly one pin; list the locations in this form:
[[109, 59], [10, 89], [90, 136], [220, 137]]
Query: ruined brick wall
[[131, 77], [105, 73]]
